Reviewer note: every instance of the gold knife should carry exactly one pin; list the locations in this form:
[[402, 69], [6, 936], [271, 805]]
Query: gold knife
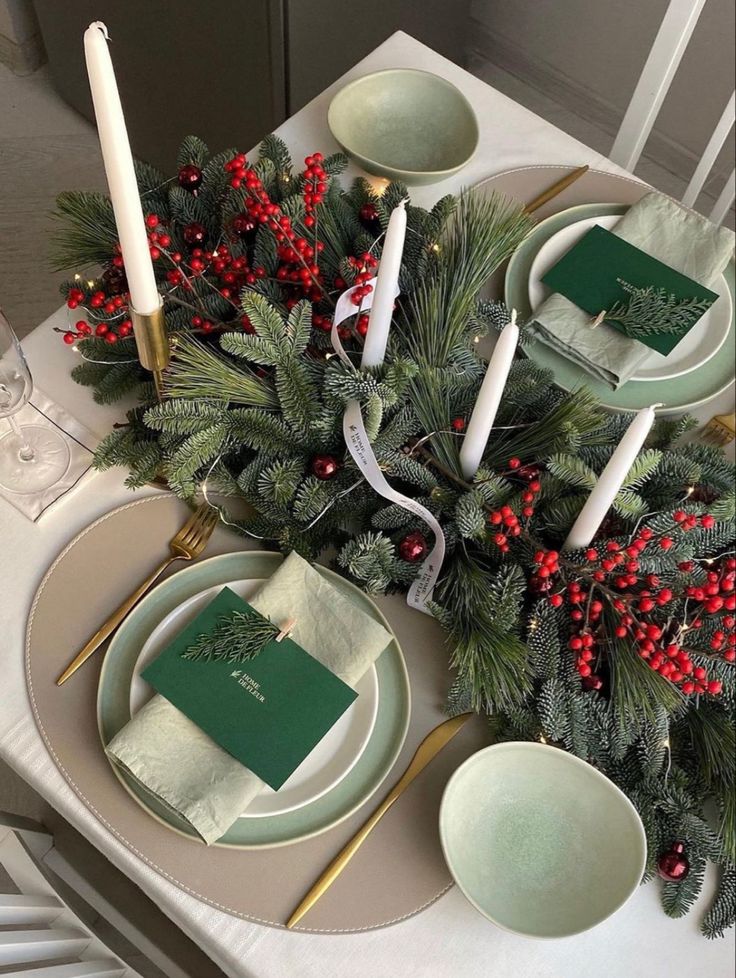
[[429, 748], [562, 184]]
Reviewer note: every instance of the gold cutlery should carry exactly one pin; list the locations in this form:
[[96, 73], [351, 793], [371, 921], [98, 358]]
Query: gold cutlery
[[429, 748], [721, 429], [562, 184], [188, 543]]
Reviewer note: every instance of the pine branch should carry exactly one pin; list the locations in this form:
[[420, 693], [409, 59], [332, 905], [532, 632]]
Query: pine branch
[[198, 372], [87, 231], [484, 232]]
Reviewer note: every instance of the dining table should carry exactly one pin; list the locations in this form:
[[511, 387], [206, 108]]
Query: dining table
[[449, 938]]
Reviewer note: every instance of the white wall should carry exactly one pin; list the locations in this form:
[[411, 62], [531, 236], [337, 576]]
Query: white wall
[[592, 51]]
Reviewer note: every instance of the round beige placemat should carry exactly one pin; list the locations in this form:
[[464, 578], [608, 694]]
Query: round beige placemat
[[398, 871]]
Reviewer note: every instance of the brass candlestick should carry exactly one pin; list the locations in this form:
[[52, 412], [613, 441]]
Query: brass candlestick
[[153, 343]]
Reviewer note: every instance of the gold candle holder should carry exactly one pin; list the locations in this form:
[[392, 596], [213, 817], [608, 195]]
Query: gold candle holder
[[152, 341]]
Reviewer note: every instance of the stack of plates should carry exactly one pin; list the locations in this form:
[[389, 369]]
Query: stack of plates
[[700, 367], [338, 776]]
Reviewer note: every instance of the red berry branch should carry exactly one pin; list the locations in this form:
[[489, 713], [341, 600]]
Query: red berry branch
[[224, 272], [608, 598]]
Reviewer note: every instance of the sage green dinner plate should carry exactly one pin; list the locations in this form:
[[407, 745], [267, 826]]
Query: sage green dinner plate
[[382, 749], [540, 842], [681, 394]]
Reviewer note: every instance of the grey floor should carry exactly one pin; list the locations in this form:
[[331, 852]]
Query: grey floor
[[46, 147]]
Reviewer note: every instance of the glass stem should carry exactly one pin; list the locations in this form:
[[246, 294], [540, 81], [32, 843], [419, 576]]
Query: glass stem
[[26, 452]]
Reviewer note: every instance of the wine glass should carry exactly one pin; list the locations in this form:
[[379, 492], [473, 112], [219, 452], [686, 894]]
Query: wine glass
[[32, 456]]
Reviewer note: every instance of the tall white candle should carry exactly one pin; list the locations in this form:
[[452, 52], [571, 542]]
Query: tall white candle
[[611, 479], [387, 282], [119, 169], [489, 397]]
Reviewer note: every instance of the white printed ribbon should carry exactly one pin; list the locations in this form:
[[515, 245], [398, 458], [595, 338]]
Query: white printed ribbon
[[356, 439]]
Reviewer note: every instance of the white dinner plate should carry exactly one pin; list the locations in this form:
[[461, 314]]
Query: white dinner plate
[[702, 342], [333, 757]]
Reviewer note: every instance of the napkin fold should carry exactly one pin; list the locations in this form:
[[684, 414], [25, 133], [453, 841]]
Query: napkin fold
[[177, 762], [80, 442], [664, 229]]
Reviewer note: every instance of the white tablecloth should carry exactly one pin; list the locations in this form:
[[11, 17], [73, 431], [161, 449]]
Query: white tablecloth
[[449, 940]]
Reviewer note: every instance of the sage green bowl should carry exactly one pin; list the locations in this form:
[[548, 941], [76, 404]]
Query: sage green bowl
[[404, 124], [540, 842]]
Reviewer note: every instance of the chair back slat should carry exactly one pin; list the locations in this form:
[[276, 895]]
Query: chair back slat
[[664, 59], [725, 200], [720, 134]]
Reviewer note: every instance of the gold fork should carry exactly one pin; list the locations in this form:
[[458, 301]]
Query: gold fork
[[721, 429], [188, 543]]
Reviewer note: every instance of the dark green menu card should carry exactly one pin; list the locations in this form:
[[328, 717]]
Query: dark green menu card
[[269, 712], [597, 272]]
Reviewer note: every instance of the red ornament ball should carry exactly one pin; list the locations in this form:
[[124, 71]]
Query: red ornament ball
[[592, 683], [539, 584], [325, 467], [674, 865], [528, 472], [190, 177], [369, 217], [413, 547], [244, 225], [458, 424], [195, 235]]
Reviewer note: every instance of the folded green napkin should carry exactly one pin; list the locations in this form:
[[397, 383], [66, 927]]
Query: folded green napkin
[[664, 229], [176, 761]]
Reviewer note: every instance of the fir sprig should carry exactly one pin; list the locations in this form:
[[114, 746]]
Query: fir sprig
[[237, 638], [655, 312]]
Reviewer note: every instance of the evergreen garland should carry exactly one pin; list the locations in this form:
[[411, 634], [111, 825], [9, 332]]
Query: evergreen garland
[[621, 654]]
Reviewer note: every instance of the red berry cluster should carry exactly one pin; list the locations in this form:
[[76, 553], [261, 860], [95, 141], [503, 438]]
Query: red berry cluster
[[364, 266], [321, 322], [74, 297], [547, 564], [638, 600], [505, 519], [81, 329], [99, 302], [299, 259], [227, 264], [315, 185], [156, 239], [507, 526]]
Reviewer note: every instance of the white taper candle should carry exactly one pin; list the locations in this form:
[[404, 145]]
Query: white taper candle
[[119, 169], [382, 309], [489, 397], [610, 481]]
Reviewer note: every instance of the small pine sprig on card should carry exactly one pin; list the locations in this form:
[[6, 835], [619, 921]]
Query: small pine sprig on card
[[651, 312], [237, 638]]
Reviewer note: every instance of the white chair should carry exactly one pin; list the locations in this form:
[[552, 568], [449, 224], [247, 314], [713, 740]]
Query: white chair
[[39, 933], [664, 58]]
